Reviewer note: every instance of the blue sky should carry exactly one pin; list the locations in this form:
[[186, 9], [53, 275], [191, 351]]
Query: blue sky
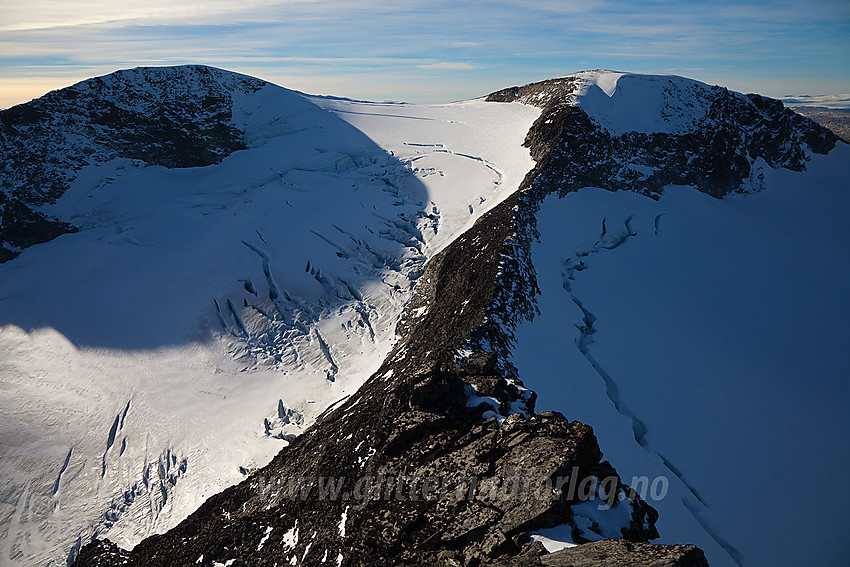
[[431, 51]]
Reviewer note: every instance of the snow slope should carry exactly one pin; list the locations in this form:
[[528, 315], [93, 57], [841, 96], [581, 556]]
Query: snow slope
[[467, 154], [703, 339], [223, 306]]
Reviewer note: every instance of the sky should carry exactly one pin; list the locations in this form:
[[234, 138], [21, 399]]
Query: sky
[[432, 51]]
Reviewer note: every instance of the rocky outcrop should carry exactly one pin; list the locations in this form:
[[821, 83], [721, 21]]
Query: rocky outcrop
[[170, 116], [22, 227], [620, 553]]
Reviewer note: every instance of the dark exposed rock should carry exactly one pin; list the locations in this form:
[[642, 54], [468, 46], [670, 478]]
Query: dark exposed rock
[[621, 553], [21, 227], [174, 117], [606, 553]]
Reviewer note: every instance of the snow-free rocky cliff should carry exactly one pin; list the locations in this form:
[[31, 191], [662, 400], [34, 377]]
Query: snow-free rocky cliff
[[268, 284]]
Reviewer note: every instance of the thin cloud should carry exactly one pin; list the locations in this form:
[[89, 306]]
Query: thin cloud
[[32, 15], [450, 66], [834, 101]]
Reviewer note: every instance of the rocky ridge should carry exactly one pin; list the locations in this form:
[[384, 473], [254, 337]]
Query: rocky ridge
[[447, 403]]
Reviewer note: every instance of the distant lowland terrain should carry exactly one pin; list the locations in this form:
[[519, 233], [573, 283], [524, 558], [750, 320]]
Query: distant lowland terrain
[[836, 119]]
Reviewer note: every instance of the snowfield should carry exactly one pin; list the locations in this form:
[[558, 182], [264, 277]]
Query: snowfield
[[203, 315]]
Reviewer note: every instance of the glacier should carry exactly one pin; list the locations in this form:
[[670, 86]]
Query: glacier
[[203, 316]]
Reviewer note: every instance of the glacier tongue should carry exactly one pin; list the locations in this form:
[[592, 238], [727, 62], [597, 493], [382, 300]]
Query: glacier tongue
[[144, 355]]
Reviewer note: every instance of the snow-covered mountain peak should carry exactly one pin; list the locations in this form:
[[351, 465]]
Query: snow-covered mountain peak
[[624, 102], [628, 102], [642, 132], [169, 116], [166, 85]]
